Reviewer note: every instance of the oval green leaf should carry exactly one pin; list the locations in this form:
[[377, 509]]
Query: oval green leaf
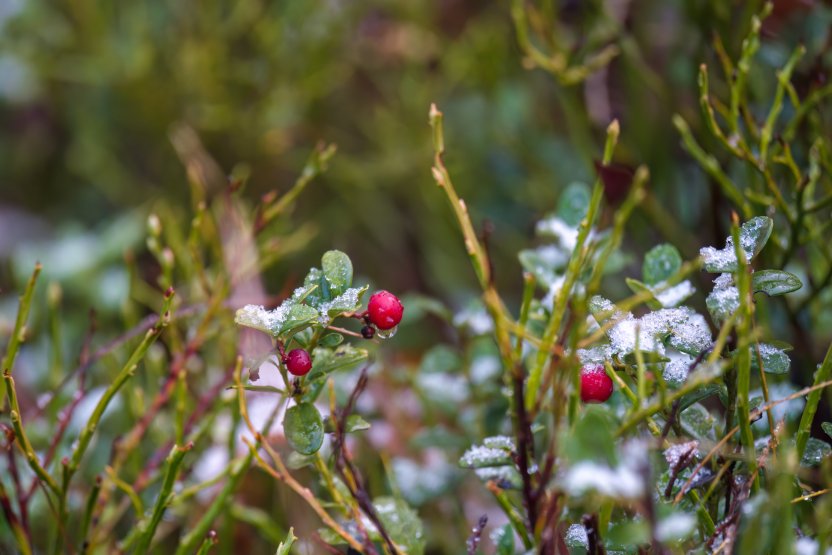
[[660, 263], [337, 268], [573, 203], [775, 282], [304, 428]]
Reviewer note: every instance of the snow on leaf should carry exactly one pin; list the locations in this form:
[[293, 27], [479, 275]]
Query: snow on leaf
[[576, 536], [724, 300], [753, 236]]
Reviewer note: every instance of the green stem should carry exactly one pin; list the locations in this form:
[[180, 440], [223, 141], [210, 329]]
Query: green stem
[[148, 528], [823, 374], [573, 269], [19, 324]]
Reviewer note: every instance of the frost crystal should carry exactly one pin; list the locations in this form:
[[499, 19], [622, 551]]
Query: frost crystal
[[686, 330], [724, 300], [499, 442], [576, 536], [479, 456], [563, 232], [346, 301], [256, 316], [676, 371], [595, 355], [675, 527]]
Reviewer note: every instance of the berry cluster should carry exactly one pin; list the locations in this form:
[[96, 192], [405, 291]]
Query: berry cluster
[[384, 311]]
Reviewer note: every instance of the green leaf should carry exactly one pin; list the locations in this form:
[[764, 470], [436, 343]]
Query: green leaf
[[754, 234], [775, 361], [440, 358], [304, 428], [326, 361], [827, 428], [488, 454], [331, 340], [296, 461], [298, 317], [701, 393], [592, 438], [660, 263], [285, 546], [774, 282], [348, 301], [638, 287], [816, 450], [698, 422], [402, 524], [337, 269], [573, 203], [354, 423], [504, 540], [623, 535]]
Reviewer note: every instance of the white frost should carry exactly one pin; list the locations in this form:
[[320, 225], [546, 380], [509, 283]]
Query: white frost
[[724, 300], [674, 453], [675, 527], [620, 482], [563, 232], [670, 297]]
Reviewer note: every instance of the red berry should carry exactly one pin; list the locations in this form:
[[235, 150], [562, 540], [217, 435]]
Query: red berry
[[385, 310], [298, 362], [596, 386]]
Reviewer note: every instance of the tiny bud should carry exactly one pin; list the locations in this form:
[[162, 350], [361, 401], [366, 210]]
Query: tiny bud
[[167, 257], [154, 225], [169, 293], [65, 461]]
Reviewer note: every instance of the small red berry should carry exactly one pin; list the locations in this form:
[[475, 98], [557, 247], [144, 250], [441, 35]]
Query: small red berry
[[596, 386], [298, 362], [368, 332], [385, 310]]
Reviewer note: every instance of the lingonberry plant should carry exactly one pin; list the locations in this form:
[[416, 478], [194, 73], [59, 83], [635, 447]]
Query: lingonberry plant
[[623, 401]]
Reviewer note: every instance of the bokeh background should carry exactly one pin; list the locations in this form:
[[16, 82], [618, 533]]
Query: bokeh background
[[96, 99]]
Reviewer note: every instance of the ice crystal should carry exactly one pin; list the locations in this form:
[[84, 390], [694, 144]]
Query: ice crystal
[[675, 527], [673, 296]]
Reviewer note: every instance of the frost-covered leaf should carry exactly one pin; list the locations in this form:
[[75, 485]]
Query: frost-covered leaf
[[576, 537], [304, 428], [337, 269], [285, 547], [775, 360], [503, 540], [698, 422], [675, 527], [257, 317], [774, 282], [325, 360], [573, 203], [660, 263], [724, 300], [816, 450], [298, 317], [545, 263], [420, 483], [495, 451], [753, 236], [663, 295], [402, 524], [506, 477], [348, 301], [827, 428]]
